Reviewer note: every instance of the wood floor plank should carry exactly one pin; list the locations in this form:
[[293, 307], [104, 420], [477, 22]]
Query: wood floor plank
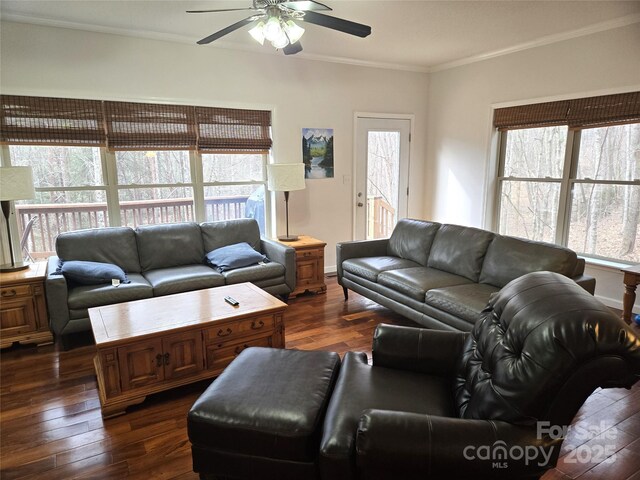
[[51, 426]]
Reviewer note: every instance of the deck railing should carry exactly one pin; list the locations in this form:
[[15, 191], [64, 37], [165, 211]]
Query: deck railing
[[53, 219], [384, 218]]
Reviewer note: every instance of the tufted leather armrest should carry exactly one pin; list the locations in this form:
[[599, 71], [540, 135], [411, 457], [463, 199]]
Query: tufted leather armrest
[[405, 445], [420, 350]]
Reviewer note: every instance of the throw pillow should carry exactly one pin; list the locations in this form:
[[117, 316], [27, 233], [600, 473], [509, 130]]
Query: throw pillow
[[233, 256], [91, 273]]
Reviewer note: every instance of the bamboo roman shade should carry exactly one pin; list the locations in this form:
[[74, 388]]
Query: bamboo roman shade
[[51, 121], [580, 113], [132, 126], [144, 126], [226, 129]]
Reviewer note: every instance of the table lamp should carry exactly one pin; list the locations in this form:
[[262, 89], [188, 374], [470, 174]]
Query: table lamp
[[285, 177], [16, 183]]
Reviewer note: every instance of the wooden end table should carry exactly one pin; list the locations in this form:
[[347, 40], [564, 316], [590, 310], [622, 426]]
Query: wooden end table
[[631, 280], [23, 309], [309, 265], [147, 346]]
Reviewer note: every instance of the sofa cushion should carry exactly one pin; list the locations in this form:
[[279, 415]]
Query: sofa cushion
[[415, 282], [254, 273], [361, 387], [371, 267], [116, 245], [233, 256], [87, 296], [166, 281], [460, 250], [509, 258], [169, 245], [219, 234], [464, 301], [91, 273], [412, 239]]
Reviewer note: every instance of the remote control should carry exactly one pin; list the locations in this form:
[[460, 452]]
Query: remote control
[[231, 301]]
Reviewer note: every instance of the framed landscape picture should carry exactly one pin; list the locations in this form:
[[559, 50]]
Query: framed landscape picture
[[317, 152]]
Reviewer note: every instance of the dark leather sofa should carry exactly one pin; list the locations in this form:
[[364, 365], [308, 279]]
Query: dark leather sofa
[[159, 260], [442, 276], [432, 399]]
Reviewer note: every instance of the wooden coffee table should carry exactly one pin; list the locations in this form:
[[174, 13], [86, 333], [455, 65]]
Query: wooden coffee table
[[147, 346]]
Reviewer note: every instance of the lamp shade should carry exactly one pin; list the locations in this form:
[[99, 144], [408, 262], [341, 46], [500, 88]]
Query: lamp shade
[[16, 183], [285, 177]]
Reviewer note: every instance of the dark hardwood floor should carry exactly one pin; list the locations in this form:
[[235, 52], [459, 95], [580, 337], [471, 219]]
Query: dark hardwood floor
[[50, 423]]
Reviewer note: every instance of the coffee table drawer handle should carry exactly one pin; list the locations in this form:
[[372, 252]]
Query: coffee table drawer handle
[[257, 325], [9, 293], [222, 333], [166, 358], [159, 360], [240, 348]]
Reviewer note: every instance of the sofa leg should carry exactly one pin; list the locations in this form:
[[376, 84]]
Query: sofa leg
[[346, 293]]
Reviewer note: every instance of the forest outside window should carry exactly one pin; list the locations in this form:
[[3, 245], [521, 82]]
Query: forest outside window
[[577, 187]]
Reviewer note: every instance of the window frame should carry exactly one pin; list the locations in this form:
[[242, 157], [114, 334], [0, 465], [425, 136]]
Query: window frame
[[567, 183]]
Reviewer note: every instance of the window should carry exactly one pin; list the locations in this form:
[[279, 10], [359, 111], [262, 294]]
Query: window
[[154, 187], [100, 164], [70, 193], [234, 187], [572, 184]]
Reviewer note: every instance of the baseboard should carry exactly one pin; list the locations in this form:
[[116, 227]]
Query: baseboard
[[331, 271], [610, 302]]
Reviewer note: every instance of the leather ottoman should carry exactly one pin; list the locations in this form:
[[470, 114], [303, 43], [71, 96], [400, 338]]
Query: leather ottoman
[[262, 417]]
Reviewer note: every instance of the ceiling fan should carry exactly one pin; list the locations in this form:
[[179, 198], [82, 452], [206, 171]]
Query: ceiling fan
[[274, 22]]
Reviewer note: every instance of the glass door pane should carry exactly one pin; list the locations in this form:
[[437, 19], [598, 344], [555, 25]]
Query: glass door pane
[[383, 176]]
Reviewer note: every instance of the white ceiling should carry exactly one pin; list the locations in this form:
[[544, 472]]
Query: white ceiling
[[417, 35]]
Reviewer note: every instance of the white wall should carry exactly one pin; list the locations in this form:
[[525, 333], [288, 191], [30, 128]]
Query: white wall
[[459, 136], [47, 61]]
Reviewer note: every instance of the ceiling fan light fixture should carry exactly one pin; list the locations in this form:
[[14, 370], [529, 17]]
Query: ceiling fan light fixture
[[272, 29], [280, 42], [257, 33], [293, 31]]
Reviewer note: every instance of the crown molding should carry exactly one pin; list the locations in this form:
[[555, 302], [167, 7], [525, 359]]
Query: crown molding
[[170, 37], [546, 40]]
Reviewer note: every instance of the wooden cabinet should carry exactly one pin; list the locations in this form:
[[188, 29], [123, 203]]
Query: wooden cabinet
[[23, 309], [309, 265], [152, 361]]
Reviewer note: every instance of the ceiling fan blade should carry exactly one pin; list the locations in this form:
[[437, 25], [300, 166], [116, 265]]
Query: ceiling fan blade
[[225, 31], [222, 10], [305, 5], [292, 49], [346, 26]]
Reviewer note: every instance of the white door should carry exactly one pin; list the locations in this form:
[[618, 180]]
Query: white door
[[381, 175]]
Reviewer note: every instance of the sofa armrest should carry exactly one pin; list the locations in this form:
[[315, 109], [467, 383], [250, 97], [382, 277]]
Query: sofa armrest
[[413, 446], [420, 350], [587, 282], [277, 252], [359, 248], [56, 292]]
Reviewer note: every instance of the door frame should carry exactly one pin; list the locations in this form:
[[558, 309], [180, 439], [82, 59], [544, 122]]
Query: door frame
[[382, 116]]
